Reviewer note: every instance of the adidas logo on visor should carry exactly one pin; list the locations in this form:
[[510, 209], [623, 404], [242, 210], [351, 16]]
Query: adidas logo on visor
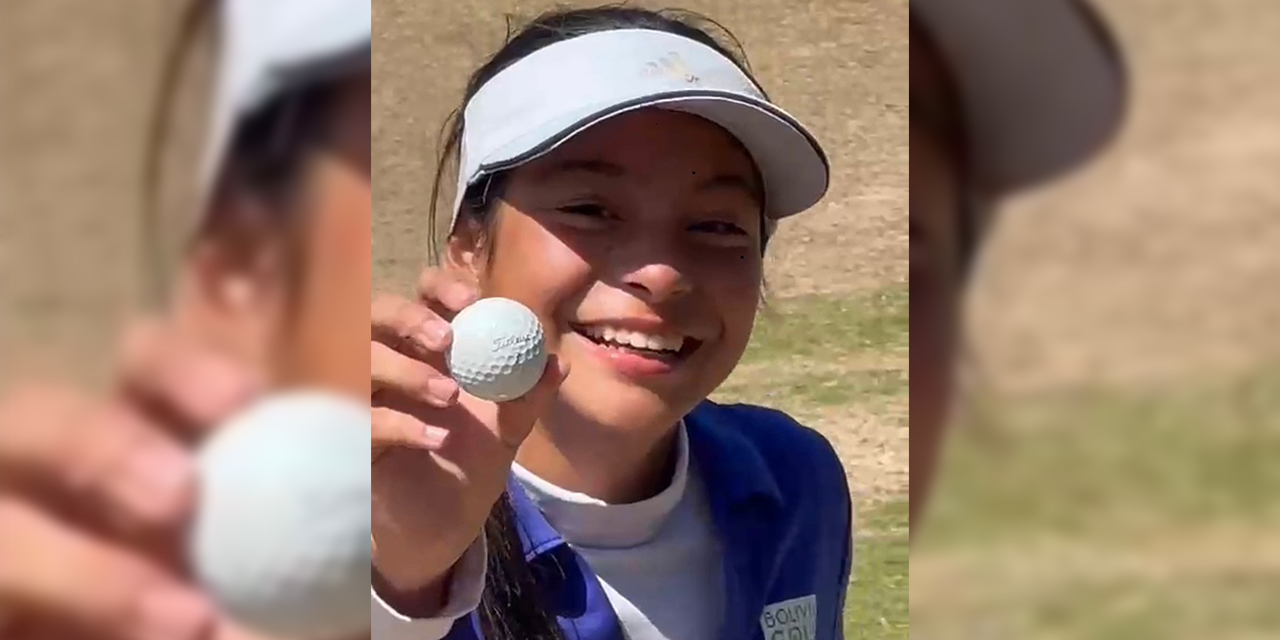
[[672, 66]]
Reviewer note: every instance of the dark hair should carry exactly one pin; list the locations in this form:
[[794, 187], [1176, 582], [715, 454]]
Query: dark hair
[[944, 120], [265, 157], [512, 608]]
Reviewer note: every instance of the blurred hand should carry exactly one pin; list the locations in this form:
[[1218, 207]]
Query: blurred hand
[[95, 493], [441, 457]]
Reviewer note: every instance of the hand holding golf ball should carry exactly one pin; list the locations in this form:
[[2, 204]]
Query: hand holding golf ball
[[93, 548], [447, 366]]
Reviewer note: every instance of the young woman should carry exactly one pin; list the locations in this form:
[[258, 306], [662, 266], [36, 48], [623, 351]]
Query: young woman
[[994, 110], [269, 293], [619, 172]]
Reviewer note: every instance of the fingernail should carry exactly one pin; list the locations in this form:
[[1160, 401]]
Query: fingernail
[[173, 614], [435, 335], [443, 391], [156, 481], [434, 437]]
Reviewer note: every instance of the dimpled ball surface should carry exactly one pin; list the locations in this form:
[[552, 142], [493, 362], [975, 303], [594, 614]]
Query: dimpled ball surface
[[281, 536], [498, 351]]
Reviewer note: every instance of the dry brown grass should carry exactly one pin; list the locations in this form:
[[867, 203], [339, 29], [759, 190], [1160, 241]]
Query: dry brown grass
[[1162, 260]]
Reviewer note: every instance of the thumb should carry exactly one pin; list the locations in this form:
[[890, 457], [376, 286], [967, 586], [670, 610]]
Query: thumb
[[517, 417]]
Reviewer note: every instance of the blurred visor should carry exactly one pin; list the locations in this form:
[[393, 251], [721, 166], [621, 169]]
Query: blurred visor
[[1042, 83]]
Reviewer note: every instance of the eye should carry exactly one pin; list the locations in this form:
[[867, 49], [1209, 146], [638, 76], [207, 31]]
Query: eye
[[589, 210], [719, 227]]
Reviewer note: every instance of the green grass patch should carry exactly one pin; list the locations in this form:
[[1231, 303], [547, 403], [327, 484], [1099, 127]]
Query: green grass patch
[[879, 593], [1116, 470], [826, 328], [1190, 608], [828, 389], [1199, 607], [1102, 463]]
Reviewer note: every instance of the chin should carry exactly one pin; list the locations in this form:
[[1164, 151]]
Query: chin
[[619, 408]]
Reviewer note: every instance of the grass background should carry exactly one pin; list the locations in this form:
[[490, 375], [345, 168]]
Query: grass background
[[1114, 474]]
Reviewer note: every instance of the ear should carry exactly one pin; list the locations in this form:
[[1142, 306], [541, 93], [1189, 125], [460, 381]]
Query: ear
[[465, 250], [233, 294]]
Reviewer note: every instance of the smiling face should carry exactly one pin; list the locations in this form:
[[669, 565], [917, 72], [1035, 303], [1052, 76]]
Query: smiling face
[[638, 244]]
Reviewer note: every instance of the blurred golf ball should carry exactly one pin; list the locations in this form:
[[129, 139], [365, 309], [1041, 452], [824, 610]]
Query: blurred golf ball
[[281, 536], [498, 350]]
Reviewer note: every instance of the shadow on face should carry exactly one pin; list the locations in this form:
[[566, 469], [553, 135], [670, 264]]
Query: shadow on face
[[638, 243], [280, 277]]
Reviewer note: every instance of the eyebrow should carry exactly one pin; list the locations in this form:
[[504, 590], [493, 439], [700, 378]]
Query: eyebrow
[[611, 170], [734, 181], [586, 166]]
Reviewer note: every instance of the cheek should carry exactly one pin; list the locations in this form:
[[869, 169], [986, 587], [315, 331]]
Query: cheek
[[534, 266], [733, 284], [329, 345]]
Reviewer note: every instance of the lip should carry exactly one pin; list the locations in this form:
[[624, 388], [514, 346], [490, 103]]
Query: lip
[[636, 364]]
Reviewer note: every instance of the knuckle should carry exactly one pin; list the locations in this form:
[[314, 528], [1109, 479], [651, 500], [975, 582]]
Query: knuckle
[[410, 318]]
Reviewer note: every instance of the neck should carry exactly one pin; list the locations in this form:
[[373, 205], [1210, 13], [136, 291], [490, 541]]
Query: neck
[[618, 468]]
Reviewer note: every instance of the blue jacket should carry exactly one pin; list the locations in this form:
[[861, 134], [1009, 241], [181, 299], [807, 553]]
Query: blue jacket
[[781, 502]]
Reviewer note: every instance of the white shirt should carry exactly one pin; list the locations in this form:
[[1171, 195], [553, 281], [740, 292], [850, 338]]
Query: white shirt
[[658, 560]]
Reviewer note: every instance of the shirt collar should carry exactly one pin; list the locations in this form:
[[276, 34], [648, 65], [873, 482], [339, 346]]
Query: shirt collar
[[585, 521], [537, 536], [730, 463]]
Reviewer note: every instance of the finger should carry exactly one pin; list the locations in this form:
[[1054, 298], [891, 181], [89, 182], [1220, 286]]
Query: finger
[[517, 417], [51, 572], [103, 457], [403, 323], [445, 292], [392, 371], [192, 384], [391, 428], [228, 630]]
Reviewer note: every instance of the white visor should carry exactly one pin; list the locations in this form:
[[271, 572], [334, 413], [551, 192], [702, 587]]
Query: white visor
[[268, 47], [536, 104]]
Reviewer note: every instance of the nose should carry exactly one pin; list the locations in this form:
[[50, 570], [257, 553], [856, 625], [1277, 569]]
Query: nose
[[657, 281]]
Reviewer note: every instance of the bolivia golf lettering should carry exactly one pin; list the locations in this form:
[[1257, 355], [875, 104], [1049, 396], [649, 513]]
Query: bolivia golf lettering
[[794, 619]]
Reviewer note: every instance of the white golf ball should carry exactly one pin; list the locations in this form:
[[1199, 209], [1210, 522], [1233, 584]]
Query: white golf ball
[[281, 536], [498, 351]]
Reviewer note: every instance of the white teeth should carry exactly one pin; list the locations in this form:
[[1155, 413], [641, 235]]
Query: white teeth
[[636, 339]]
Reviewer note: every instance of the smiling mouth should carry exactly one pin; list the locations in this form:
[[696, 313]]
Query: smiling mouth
[[667, 346]]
